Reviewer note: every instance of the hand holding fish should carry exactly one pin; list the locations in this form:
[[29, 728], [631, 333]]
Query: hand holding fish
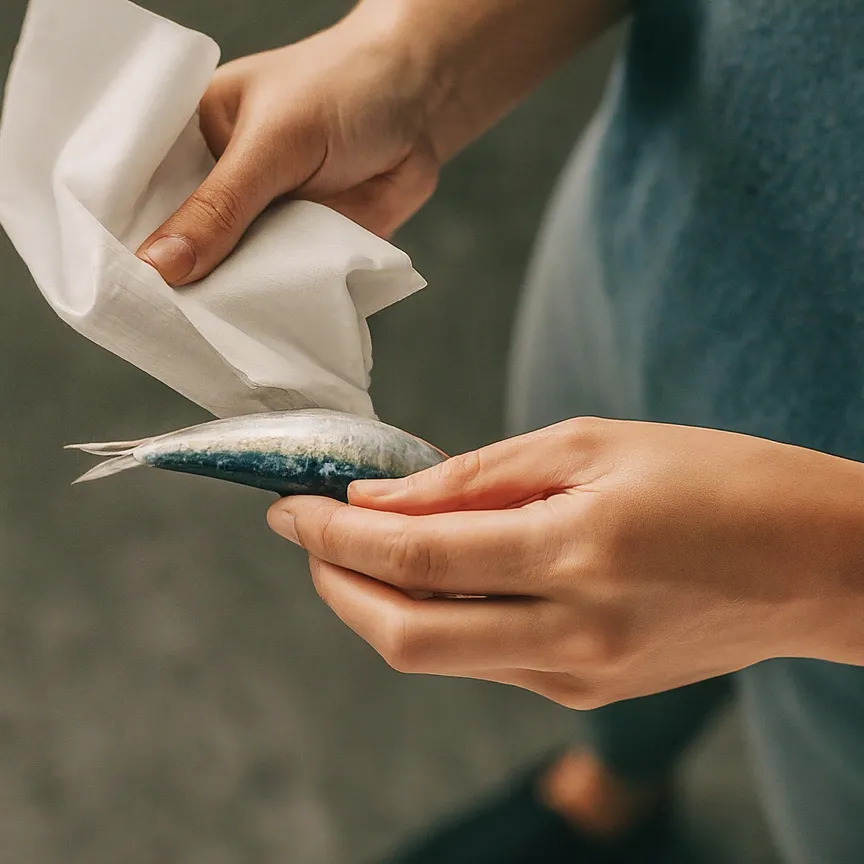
[[615, 559]]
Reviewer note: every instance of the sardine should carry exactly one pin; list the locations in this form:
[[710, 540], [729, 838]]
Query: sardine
[[306, 452]]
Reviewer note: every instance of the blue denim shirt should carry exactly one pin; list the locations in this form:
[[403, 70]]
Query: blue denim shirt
[[728, 197]]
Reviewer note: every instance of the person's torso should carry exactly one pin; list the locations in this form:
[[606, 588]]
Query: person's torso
[[728, 195]]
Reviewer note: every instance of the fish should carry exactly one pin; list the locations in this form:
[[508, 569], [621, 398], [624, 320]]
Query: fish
[[301, 452]]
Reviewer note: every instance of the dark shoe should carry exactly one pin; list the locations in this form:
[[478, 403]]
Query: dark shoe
[[517, 828]]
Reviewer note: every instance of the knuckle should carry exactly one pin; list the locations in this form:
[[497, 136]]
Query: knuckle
[[585, 432], [453, 475], [415, 562], [568, 698], [220, 205], [581, 442], [328, 532], [417, 483], [568, 693], [587, 701], [464, 470], [579, 695], [586, 424]]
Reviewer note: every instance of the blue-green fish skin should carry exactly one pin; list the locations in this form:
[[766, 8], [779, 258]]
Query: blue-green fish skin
[[307, 452]]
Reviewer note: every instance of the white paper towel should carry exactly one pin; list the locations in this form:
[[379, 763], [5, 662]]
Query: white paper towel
[[99, 144]]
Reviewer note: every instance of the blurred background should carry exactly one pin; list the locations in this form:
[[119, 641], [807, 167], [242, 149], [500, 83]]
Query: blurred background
[[171, 688]]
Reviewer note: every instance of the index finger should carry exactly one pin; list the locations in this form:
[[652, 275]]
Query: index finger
[[477, 552]]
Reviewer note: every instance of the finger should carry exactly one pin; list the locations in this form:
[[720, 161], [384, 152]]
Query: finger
[[506, 474], [210, 223], [431, 636], [384, 203], [483, 552]]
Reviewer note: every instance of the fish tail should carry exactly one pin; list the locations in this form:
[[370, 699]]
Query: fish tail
[[111, 448], [109, 468]]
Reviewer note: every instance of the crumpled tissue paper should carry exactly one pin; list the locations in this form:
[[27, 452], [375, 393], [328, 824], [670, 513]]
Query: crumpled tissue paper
[[99, 144]]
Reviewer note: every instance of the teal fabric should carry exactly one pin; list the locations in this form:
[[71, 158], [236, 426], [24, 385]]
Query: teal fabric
[[729, 207], [703, 263]]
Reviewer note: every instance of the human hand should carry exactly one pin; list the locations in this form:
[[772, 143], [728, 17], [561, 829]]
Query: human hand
[[360, 116], [337, 119], [619, 559]]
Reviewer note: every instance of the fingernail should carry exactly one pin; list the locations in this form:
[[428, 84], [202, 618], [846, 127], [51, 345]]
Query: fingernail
[[375, 488], [282, 523], [287, 528], [172, 256]]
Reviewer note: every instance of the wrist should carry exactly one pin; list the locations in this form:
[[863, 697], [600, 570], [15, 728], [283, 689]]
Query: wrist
[[826, 609], [407, 59], [467, 63]]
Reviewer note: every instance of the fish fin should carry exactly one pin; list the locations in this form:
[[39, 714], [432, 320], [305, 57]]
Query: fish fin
[[111, 448], [109, 468]]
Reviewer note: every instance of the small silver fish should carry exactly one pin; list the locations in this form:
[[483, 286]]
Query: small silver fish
[[307, 452]]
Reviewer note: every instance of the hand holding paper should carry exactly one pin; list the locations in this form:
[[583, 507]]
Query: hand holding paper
[[99, 147], [337, 118]]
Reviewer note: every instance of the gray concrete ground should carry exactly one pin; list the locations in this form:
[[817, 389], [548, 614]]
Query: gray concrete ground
[[171, 689]]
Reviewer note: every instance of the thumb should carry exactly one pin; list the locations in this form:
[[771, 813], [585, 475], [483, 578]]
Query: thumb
[[210, 223], [503, 475]]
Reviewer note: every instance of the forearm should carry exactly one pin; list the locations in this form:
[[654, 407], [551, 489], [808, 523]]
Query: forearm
[[479, 58], [842, 615], [827, 602]]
